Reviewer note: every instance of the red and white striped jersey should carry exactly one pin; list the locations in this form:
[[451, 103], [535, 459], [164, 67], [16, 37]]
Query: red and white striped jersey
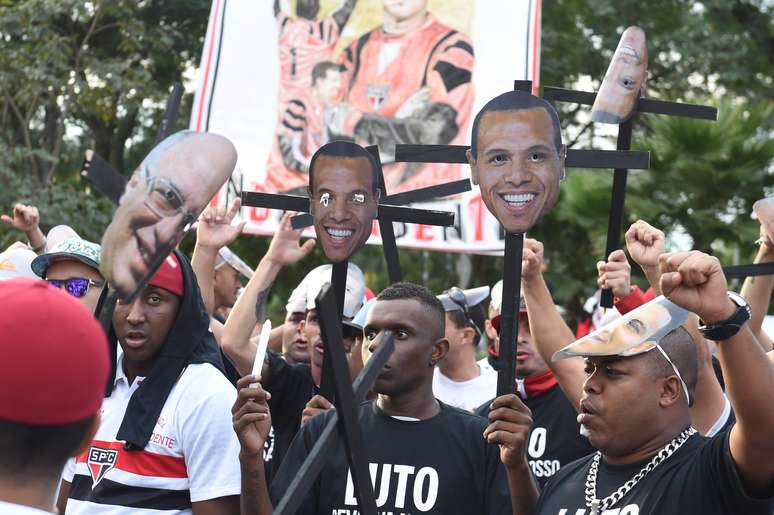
[[192, 455]]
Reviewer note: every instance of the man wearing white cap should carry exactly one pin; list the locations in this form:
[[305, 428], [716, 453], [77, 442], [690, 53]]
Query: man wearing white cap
[[229, 271], [458, 380]]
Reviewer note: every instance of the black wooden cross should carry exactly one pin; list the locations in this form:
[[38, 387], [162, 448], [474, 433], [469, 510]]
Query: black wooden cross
[[514, 243], [644, 105], [348, 397]]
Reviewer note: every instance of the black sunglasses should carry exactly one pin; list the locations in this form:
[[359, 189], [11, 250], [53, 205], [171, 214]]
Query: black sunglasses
[[75, 286], [458, 297]]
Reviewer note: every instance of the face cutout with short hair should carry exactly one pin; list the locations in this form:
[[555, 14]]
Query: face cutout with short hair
[[163, 198], [343, 200], [517, 165], [625, 77], [637, 332]]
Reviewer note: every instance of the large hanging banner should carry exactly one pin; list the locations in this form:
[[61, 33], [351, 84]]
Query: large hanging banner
[[282, 78]]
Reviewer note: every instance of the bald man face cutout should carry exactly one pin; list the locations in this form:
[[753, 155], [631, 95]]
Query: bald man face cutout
[[343, 203], [624, 79], [163, 198]]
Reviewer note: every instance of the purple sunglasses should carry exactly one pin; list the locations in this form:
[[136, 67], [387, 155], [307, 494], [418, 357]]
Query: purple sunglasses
[[75, 286]]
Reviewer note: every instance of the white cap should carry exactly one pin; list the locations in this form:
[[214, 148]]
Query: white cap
[[355, 292], [16, 262], [297, 301], [225, 255], [473, 297], [58, 234]]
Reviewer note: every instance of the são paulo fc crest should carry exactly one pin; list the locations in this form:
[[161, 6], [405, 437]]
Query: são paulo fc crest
[[100, 461], [377, 94]]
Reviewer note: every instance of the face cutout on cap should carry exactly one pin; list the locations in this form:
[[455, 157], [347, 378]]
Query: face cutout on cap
[[624, 79], [343, 202], [518, 167], [163, 198], [634, 333]]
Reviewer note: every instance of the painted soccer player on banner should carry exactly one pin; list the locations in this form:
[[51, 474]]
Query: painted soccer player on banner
[[343, 197], [625, 77], [517, 158], [375, 72], [164, 196]]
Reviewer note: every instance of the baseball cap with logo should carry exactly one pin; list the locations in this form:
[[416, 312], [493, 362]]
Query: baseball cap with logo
[[17, 262], [169, 276], [355, 292], [227, 256], [77, 249], [47, 336]]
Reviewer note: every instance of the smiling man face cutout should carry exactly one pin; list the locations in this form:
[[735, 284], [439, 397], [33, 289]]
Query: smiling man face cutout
[[624, 79], [517, 159], [343, 197]]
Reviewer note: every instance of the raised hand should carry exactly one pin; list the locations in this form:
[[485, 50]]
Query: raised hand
[[645, 244], [251, 418], [316, 405], [215, 228], [695, 281], [509, 424], [616, 274], [286, 247], [25, 218], [532, 261], [764, 210]]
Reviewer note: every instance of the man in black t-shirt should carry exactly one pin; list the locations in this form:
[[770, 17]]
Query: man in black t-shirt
[[425, 457], [555, 438], [635, 408]]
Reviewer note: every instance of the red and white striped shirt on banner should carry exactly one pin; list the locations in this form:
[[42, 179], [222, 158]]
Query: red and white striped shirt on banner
[[192, 455]]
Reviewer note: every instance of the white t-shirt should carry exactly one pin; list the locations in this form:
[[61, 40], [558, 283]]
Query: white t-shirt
[[9, 508], [193, 451], [467, 395]]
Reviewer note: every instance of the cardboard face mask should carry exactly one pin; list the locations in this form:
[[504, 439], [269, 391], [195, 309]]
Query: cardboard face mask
[[165, 195], [636, 332], [342, 198], [624, 79], [764, 210], [517, 159]]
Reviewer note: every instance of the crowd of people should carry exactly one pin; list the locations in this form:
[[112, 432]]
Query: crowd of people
[[163, 412]]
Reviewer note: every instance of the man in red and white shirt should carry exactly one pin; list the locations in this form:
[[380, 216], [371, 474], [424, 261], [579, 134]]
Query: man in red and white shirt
[[190, 461]]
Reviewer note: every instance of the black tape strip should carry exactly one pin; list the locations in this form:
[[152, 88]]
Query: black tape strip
[[389, 245], [615, 219], [170, 115], [339, 283], [752, 270], [312, 466], [103, 177], [346, 407], [429, 193], [702, 112], [431, 154], [416, 216], [275, 201], [645, 105], [301, 221], [634, 160], [630, 159], [523, 85], [509, 321], [571, 96]]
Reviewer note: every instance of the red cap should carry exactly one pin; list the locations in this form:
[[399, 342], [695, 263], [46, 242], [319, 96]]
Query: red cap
[[170, 276], [54, 363]]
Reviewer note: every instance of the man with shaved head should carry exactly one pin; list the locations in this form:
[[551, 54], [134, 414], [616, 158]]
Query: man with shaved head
[[425, 456], [164, 196], [635, 404]]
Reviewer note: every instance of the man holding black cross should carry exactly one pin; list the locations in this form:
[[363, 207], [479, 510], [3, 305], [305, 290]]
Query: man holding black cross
[[425, 456]]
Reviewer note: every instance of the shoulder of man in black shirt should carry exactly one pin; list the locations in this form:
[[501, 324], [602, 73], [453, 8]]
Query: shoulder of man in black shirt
[[700, 478], [438, 465]]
